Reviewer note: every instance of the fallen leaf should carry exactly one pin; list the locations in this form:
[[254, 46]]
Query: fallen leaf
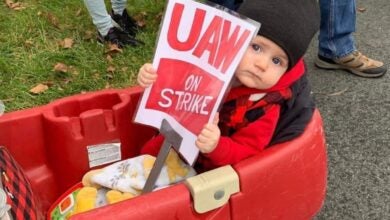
[[67, 43], [111, 69], [60, 67], [338, 93], [8, 100], [48, 83], [88, 35], [53, 20], [159, 16], [361, 9], [28, 43], [38, 89], [109, 58], [17, 6], [124, 69], [78, 12], [113, 49], [109, 76], [67, 81], [96, 75], [140, 19], [73, 70]]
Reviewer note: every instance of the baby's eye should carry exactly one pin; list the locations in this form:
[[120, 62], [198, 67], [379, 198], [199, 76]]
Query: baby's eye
[[277, 61], [256, 47]]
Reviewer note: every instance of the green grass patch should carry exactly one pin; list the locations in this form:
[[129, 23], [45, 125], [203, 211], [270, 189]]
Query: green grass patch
[[29, 50]]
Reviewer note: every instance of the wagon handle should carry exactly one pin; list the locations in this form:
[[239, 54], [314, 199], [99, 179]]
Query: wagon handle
[[213, 189]]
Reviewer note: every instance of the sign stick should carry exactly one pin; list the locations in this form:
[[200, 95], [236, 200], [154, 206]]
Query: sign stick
[[172, 139]]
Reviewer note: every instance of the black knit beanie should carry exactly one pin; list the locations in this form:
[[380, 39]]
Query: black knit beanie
[[291, 24]]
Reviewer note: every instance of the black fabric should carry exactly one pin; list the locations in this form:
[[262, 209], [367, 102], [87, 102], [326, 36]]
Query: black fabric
[[17, 188], [295, 113], [239, 112], [289, 23]]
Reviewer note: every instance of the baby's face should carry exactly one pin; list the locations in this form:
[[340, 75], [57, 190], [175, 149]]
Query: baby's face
[[263, 64]]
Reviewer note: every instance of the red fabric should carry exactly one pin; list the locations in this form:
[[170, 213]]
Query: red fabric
[[152, 147], [246, 142], [249, 140]]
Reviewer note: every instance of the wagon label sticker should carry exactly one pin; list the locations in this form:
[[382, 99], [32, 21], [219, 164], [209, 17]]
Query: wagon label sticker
[[198, 50], [103, 154]]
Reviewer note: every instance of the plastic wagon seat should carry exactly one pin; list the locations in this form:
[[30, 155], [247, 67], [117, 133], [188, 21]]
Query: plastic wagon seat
[[286, 181]]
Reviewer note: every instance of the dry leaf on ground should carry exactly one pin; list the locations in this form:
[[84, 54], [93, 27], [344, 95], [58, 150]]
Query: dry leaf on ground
[[109, 58], [67, 43], [78, 12], [17, 6], [338, 93], [361, 9], [111, 69], [113, 49], [124, 69], [88, 35], [38, 89], [140, 19], [60, 67], [53, 20], [28, 43]]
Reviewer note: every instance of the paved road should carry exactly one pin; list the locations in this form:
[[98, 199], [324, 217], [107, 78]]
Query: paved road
[[356, 114]]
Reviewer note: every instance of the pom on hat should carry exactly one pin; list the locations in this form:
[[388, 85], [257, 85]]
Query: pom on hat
[[291, 24]]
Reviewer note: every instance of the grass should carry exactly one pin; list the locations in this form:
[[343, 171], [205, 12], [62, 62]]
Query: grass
[[29, 49]]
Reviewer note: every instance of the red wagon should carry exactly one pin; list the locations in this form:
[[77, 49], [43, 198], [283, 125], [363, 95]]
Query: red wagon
[[286, 181]]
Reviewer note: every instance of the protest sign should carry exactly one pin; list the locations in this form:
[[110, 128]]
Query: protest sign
[[198, 50]]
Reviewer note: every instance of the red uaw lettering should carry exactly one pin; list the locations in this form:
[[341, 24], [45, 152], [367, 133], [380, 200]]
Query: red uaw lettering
[[221, 47], [229, 46], [173, 29], [210, 40]]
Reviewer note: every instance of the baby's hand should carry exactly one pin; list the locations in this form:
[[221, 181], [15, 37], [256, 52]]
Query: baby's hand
[[146, 75], [209, 136]]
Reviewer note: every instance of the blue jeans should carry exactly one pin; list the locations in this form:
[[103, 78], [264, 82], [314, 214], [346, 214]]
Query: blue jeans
[[338, 19]]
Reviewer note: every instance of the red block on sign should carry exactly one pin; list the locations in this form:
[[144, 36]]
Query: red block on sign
[[185, 92]]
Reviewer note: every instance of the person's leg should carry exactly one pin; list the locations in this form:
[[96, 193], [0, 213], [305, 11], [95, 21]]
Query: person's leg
[[122, 18], [100, 17], [107, 31], [336, 44], [338, 19], [118, 6]]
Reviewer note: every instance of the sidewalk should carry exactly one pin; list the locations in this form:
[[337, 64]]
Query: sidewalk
[[356, 114]]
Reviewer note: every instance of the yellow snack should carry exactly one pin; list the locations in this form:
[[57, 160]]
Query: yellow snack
[[174, 166], [114, 196], [86, 181], [85, 199], [148, 164]]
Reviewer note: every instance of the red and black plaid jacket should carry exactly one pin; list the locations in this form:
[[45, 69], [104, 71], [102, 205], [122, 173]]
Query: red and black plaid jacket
[[248, 127]]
